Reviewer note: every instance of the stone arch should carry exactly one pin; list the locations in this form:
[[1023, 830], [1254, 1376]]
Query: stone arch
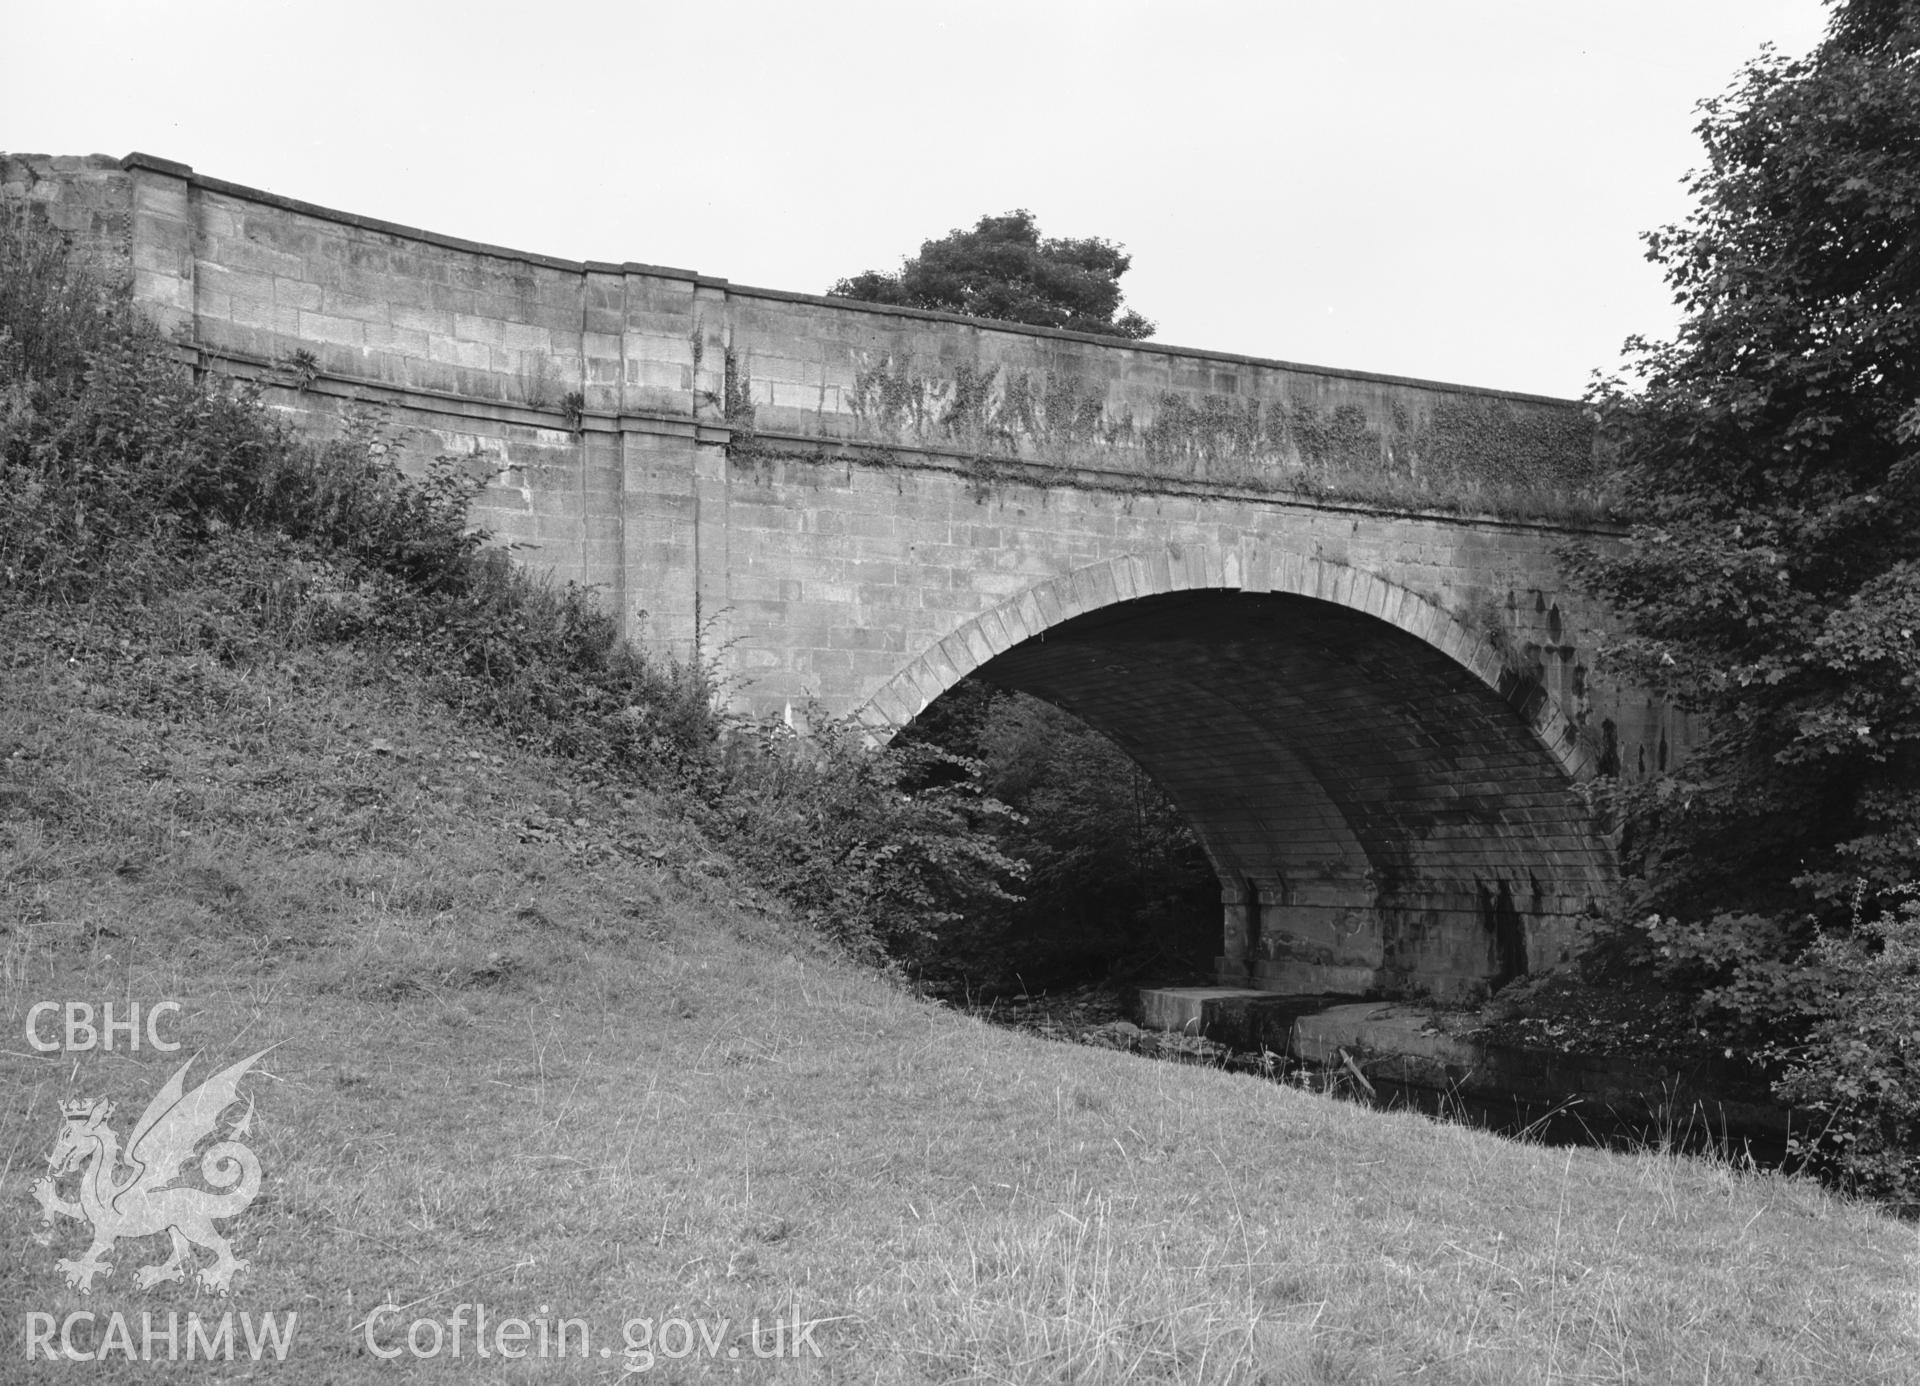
[[1389, 808], [1180, 568]]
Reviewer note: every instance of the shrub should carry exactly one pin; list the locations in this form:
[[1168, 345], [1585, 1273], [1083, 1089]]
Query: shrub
[[1859, 1067], [1115, 880], [1750, 974], [55, 311], [885, 849]]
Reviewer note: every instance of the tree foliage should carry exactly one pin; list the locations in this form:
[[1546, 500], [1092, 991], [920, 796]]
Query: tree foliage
[[1771, 455], [1003, 269], [1773, 574]]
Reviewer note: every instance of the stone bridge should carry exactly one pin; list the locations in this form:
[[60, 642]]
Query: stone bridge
[[1322, 608]]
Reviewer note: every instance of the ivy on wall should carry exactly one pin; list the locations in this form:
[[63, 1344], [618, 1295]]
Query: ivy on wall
[[1465, 453]]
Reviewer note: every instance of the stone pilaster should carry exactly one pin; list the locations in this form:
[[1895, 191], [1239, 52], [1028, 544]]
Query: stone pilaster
[[163, 240]]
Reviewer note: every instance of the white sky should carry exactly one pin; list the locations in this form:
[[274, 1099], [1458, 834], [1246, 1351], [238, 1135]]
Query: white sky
[[1451, 189]]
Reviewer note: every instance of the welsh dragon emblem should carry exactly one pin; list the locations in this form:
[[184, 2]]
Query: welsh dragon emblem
[[140, 1199]]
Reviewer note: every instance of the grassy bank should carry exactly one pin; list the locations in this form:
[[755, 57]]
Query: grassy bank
[[538, 1044]]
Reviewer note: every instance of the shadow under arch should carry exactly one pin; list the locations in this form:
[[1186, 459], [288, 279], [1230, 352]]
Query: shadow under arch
[[1389, 808]]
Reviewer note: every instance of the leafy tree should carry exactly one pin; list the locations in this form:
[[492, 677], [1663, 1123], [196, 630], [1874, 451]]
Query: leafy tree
[[1003, 269], [1771, 457]]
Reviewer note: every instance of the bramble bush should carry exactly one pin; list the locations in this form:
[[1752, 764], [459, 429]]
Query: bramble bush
[[1858, 1067], [1749, 973], [129, 480]]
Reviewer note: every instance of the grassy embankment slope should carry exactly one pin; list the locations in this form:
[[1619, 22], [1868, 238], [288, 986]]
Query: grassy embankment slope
[[537, 1045]]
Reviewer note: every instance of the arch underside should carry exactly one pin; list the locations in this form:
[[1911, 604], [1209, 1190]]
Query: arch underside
[[1381, 819]]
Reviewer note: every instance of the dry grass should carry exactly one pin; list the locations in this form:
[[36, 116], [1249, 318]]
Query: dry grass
[[537, 1047]]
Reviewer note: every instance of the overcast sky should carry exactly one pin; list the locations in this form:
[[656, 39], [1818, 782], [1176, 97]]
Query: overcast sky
[[1450, 189]]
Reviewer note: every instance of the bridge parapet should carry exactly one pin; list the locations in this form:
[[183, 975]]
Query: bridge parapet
[[252, 278]]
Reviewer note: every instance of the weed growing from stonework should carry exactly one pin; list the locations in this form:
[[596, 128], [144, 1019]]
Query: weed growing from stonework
[[129, 482], [302, 368]]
